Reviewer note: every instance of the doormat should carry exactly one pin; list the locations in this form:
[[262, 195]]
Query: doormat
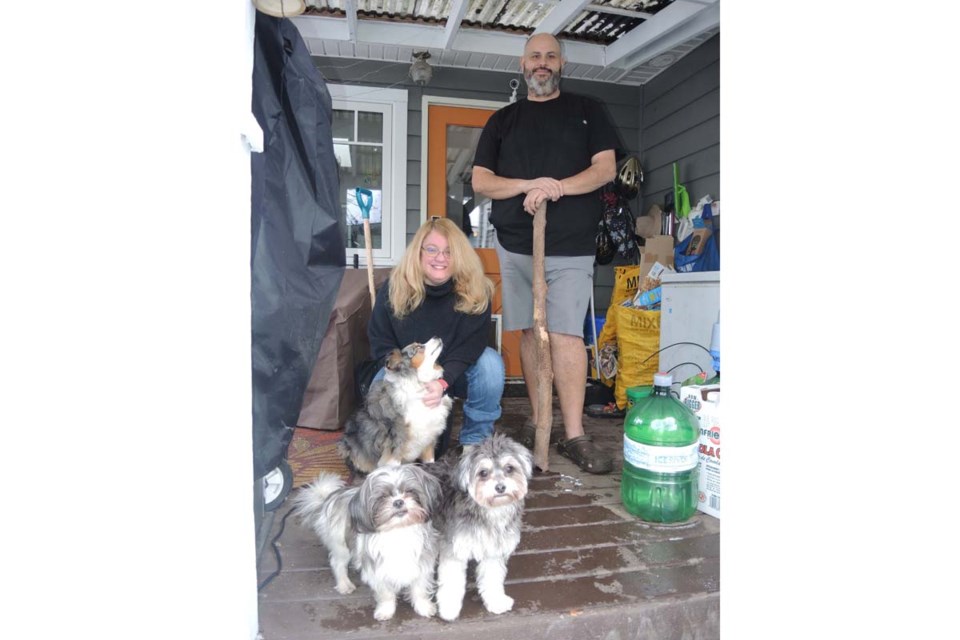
[[312, 451]]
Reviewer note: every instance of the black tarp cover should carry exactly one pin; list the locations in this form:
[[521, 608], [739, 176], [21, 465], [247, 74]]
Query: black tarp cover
[[298, 234]]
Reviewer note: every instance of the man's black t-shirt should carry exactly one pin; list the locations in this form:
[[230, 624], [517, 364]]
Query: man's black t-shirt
[[556, 138]]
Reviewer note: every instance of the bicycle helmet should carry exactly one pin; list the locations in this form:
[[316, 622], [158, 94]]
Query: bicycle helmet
[[629, 178]]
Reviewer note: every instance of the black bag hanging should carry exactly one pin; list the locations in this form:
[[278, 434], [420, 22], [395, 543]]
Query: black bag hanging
[[606, 248], [623, 231], [616, 232]]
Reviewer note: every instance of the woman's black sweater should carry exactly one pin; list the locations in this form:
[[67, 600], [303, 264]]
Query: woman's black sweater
[[464, 336]]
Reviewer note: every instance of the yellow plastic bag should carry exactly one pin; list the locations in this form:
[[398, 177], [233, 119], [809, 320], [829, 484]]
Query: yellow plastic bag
[[638, 340], [626, 280]]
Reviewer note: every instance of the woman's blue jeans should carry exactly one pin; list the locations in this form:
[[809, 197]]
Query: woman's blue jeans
[[481, 388]]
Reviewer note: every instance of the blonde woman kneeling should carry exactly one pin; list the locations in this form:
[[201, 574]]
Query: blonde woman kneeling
[[438, 289]]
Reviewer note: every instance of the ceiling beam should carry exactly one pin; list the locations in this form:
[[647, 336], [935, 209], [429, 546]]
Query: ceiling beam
[[457, 11], [618, 12], [670, 27], [561, 15], [484, 41], [401, 34], [321, 27], [351, 8]]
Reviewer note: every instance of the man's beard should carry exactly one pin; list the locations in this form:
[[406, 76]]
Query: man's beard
[[544, 87]]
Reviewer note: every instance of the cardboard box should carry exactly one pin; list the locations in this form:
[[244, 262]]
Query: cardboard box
[[651, 224], [708, 412], [656, 249]]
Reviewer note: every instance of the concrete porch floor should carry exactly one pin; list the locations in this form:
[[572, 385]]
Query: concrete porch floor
[[585, 568]]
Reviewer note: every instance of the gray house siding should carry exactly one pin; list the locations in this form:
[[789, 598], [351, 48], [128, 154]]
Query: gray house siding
[[681, 123]]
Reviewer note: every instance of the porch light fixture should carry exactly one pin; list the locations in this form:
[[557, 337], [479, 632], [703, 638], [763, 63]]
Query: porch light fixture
[[514, 83], [420, 70]]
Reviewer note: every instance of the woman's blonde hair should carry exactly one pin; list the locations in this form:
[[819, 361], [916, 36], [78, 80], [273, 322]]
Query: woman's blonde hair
[[473, 289]]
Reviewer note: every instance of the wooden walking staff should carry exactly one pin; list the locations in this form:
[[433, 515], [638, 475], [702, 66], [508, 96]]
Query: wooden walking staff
[[365, 202], [541, 445]]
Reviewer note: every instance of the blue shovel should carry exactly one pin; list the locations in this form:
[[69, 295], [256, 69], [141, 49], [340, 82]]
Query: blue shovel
[[365, 202]]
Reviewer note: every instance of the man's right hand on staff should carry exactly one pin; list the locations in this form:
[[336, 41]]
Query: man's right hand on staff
[[550, 186], [533, 200]]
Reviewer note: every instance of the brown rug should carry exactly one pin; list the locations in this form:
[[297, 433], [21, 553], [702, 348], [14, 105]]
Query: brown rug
[[312, 451]]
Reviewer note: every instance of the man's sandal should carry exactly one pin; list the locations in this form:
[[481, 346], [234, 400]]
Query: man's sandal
[[585, 454]]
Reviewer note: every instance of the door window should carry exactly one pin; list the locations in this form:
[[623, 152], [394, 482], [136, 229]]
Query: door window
[[468, 210]]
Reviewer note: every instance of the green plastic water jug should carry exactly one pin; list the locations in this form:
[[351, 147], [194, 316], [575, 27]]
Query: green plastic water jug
[[660, 456]]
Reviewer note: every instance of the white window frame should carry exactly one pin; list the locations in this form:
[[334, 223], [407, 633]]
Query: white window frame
[[392, 103]]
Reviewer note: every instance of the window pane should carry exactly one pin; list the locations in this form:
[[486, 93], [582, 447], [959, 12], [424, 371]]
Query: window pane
[[342, 125], [365, 172], [370, 126], [463, 207]]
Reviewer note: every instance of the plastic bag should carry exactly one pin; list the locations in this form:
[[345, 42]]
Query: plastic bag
[[697, 217], [626, 281], [707, 260], [638, 341], [616, 232], [681, 199], [606, 249]]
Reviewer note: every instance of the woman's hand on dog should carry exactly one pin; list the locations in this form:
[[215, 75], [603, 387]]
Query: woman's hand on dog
[[433, 393]]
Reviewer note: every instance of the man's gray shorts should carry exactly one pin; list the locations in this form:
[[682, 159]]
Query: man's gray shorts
[[569, 279]]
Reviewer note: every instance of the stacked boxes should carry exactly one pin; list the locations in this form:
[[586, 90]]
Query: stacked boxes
[[704, 400]]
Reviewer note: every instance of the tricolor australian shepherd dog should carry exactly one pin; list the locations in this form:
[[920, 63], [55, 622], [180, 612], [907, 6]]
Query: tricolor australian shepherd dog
[[393, 426]]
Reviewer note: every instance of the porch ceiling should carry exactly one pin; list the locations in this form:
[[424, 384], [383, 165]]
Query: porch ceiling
[[619, 41]]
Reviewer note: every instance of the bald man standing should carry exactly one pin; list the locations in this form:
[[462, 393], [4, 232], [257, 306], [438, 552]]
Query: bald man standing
[[558, 147]]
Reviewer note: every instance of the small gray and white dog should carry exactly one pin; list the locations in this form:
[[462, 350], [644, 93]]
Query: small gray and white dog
[[382, 528], [393, 426], [484, 493]]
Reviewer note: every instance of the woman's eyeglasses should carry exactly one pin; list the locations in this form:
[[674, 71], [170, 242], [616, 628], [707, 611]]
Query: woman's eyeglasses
[[433, 251]]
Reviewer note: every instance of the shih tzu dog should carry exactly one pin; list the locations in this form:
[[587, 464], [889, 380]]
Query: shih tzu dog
[[484, 492], [381, 528], [393, 425]]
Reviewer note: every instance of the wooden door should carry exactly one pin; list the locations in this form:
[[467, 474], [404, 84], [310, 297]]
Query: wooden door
[[452, 141]]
